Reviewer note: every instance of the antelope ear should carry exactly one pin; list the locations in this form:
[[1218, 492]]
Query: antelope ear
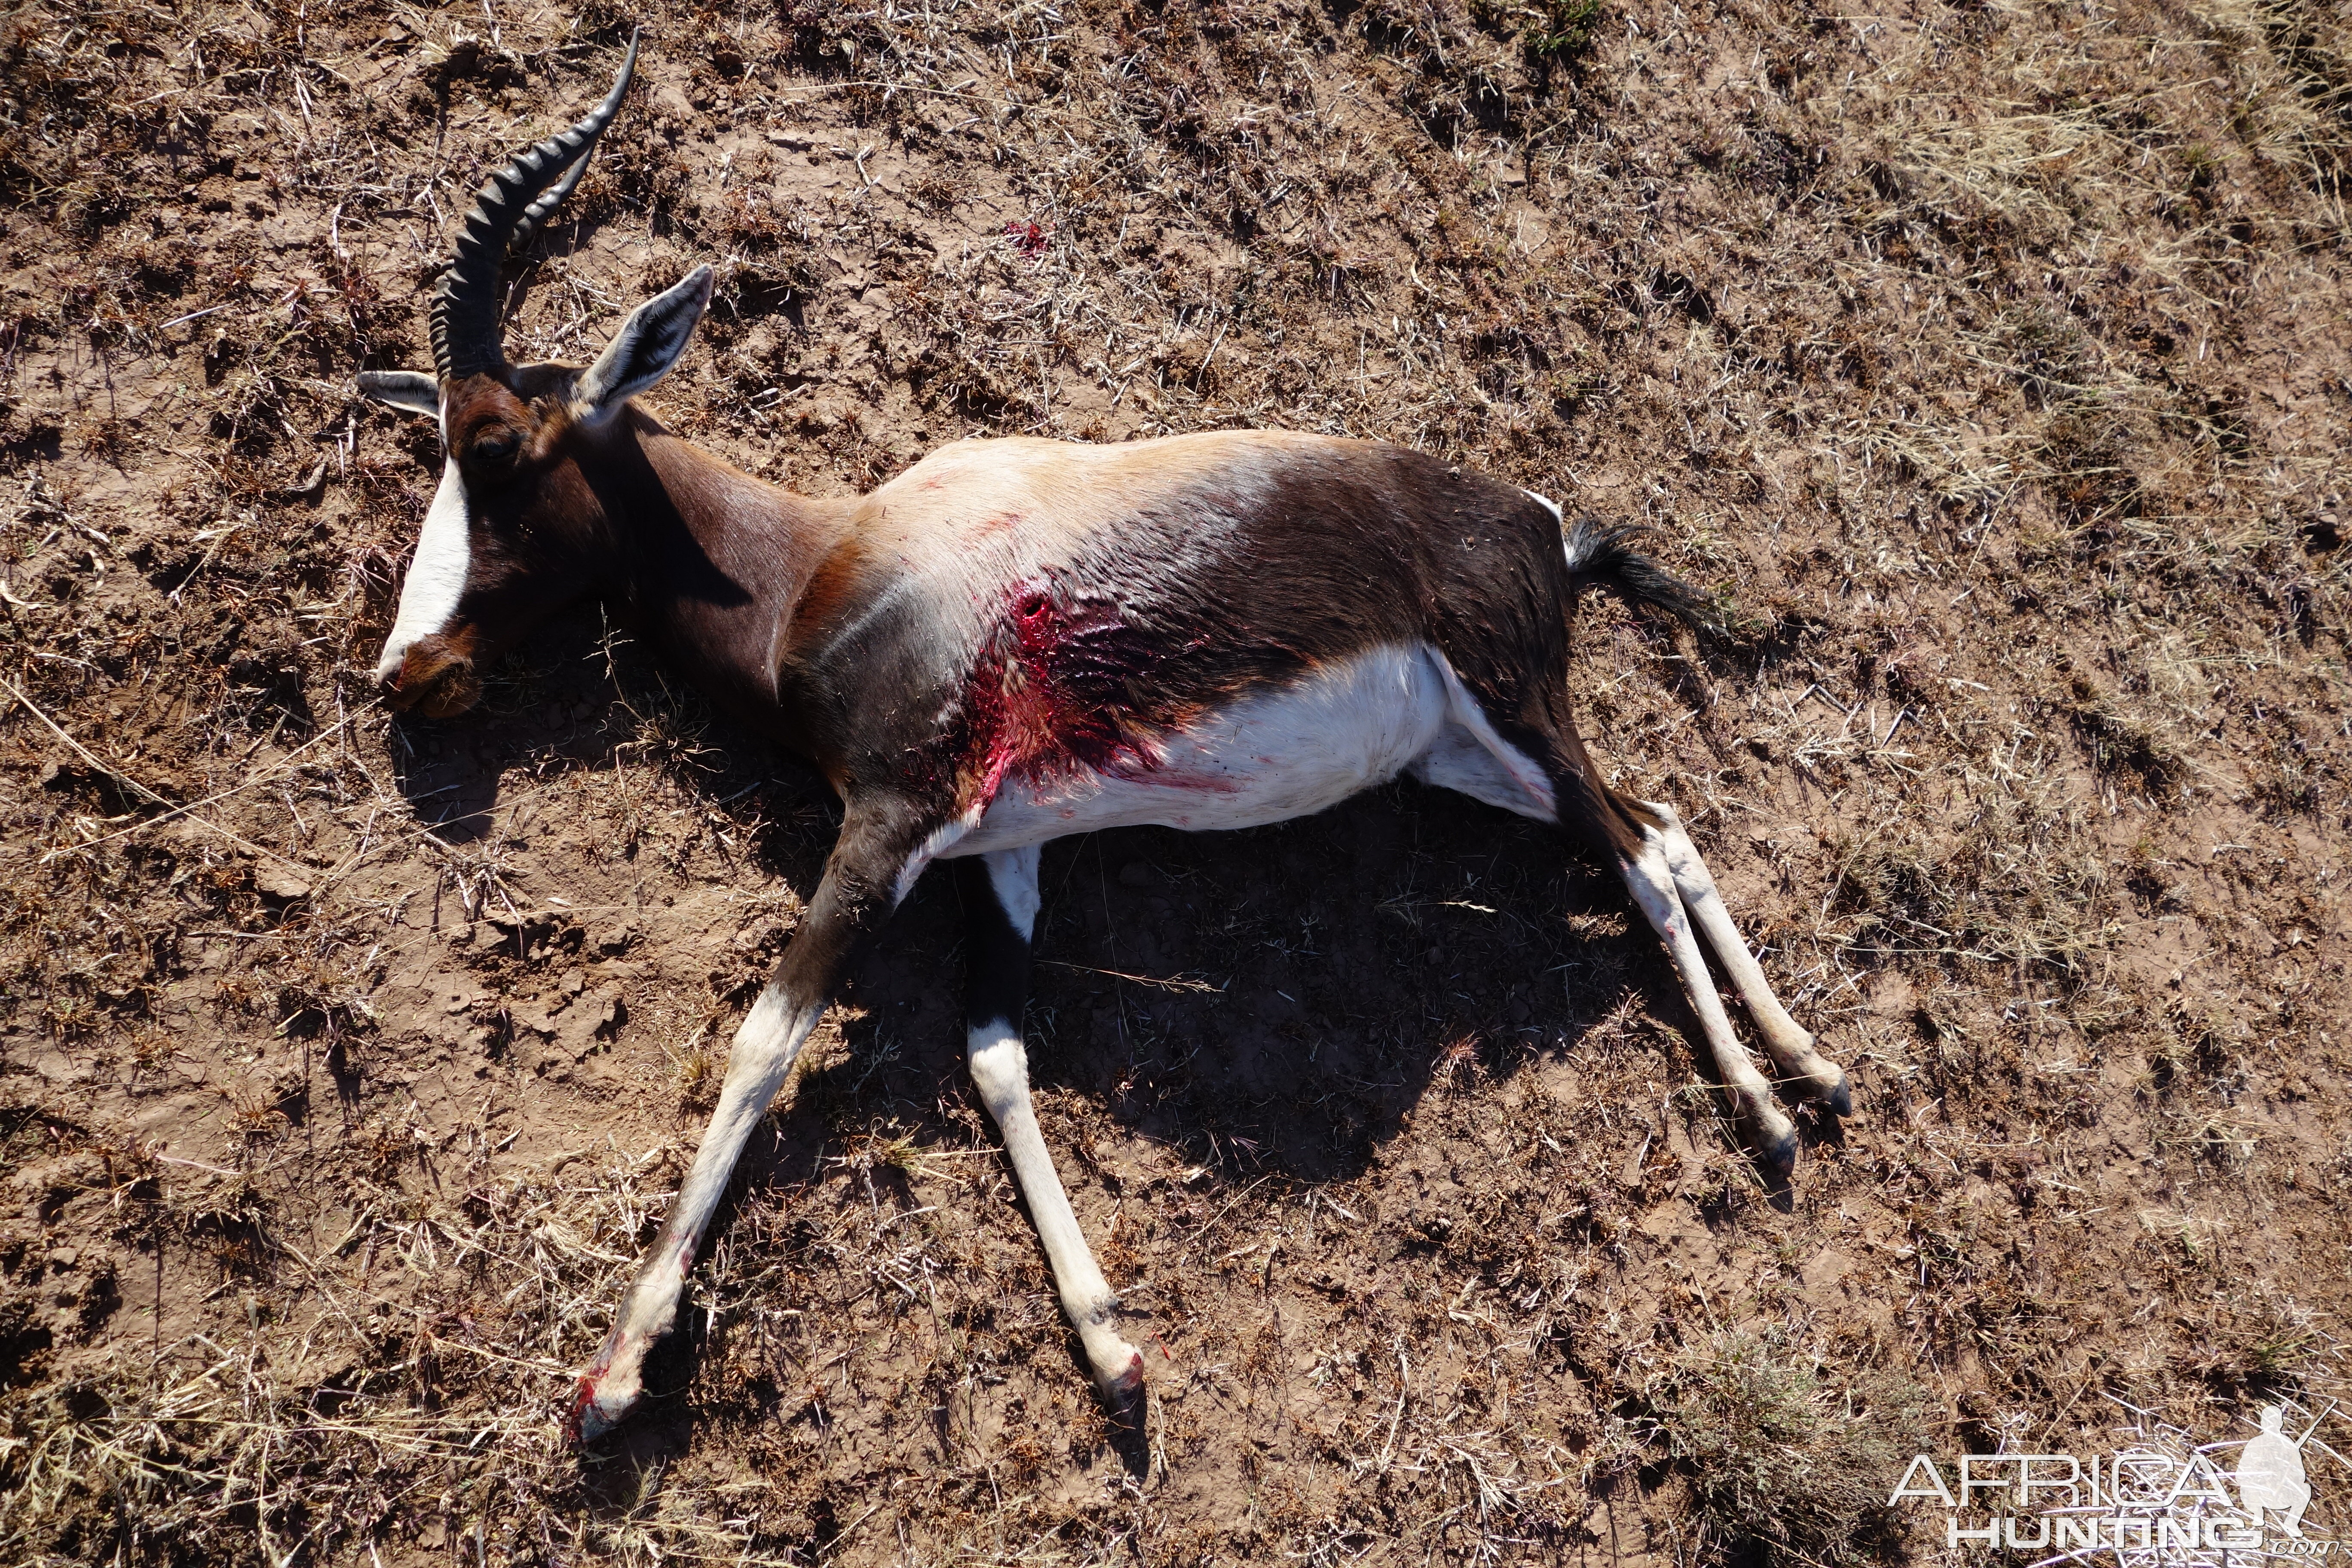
[[409, 389], [647, 345]]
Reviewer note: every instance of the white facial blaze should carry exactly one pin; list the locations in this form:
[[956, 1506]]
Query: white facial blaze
[[437, 578]]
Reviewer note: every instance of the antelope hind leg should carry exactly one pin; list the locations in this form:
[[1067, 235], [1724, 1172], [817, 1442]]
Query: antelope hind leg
[[1761, 1122], [1789, 1046]]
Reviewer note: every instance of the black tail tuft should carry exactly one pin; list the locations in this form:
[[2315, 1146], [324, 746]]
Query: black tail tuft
[[1603, 554]]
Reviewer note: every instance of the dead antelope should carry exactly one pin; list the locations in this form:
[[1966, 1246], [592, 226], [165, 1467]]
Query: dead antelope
[[1019, 639]]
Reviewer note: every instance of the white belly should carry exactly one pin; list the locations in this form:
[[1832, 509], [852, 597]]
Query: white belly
[[1279, 754]]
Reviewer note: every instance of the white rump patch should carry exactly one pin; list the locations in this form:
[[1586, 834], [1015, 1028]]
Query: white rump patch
[[437, 578]]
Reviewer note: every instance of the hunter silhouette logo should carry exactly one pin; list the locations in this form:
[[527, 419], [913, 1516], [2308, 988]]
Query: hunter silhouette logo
[[2159, 1498], [2271, 1475]]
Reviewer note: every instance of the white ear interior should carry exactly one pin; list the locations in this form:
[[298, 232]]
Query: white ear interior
[[409, 389], [646, 349]]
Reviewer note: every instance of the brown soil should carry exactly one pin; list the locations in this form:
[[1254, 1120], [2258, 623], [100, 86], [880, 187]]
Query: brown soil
[[1995, 357]]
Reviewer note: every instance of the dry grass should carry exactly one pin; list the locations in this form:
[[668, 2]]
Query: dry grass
[[1992, 359], [1780, 1456]]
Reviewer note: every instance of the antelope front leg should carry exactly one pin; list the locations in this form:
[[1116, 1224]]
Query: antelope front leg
[[1000, 894], [863, 879], [1760, 1120], [1789, 1046]]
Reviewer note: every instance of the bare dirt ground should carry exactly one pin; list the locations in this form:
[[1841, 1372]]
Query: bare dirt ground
[[1994, 358]]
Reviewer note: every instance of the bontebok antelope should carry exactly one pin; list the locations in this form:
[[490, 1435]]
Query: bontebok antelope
[[1018, 639]]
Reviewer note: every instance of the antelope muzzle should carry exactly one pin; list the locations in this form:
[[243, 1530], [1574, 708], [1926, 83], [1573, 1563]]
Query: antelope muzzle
[[436, 676]]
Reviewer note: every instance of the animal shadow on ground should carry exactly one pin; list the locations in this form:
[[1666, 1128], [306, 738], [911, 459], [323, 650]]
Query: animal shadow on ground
[[1180, 997]]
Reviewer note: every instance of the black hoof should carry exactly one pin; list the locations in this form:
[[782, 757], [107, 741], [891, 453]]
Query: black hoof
[[1122, 1397], [1840, 1099]]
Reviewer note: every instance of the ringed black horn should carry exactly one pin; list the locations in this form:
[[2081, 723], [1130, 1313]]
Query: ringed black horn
[[513, 203]]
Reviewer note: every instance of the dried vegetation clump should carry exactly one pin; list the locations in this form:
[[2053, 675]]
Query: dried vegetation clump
[[1993, 361], [1780, 1456]]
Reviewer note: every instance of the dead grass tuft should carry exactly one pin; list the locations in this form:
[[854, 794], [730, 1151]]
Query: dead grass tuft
[[2120, 742], [1782, 1455]]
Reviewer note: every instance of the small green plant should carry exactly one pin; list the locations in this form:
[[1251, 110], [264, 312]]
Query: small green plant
[[2203, 165], [1552, 31], [1563, 30]]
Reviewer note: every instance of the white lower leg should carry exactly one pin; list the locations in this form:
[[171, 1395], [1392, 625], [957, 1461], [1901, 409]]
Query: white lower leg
[[1753, 1107], [757, 1064], [1000, 1067], [1790, 1045]]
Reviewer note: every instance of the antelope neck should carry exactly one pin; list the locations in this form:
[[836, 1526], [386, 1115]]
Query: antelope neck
[[713, 562]]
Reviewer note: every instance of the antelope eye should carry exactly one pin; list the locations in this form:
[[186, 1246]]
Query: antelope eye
[[498, 443]]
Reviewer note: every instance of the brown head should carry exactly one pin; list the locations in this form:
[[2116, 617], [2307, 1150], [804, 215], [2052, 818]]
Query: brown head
[[516, 530]]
